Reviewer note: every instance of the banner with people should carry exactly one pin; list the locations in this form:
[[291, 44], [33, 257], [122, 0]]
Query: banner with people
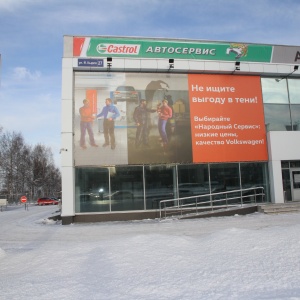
[[135, 118]]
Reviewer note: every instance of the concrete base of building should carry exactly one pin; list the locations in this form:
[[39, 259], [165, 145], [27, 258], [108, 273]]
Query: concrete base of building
[[224, 212], [67, 220], [143, 215], [108, 217]]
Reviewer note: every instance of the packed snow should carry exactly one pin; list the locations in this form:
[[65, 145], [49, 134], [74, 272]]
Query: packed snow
[[255, 256]]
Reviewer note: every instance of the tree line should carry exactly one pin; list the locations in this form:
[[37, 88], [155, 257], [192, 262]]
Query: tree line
[[26, 170]]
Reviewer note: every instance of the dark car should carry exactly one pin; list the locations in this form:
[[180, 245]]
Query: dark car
[[47, 201], [125, 93]]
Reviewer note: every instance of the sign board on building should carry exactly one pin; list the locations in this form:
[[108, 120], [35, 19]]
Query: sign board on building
[[89, 62], [182, 49], [177, 49]]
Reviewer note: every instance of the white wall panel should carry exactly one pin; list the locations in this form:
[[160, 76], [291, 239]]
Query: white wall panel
[[67, 170], [66, 116], [117, 63], [282, 145], [270, 68], [149, 64], [244, 67], [66, 151], [163, 64], [227, 66], [68, 46], [256, 68], [181, 65], [67, 78], [68, 194], [276, 187], [132, 65], [197, 65], [212, 66], [285, 69]]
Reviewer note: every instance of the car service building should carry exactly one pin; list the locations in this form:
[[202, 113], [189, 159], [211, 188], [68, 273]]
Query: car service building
[[234, 126]]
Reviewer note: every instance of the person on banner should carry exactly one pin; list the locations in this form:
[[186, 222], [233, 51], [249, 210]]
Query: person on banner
[[109, 112], [164, 113], [86, 122], [140, 116]]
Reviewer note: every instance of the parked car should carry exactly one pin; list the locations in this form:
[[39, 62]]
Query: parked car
[[125, 93], [47, 201]]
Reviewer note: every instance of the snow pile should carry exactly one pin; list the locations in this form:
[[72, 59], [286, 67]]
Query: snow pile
[[239, 257]]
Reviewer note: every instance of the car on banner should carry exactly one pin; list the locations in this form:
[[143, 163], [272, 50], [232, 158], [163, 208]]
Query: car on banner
[[125, 93]]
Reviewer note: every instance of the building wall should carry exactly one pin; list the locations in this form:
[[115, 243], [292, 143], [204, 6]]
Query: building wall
[[67, 166], [281, 145]]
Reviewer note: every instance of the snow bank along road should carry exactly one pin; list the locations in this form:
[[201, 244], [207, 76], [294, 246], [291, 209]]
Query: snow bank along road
[[240, 257]]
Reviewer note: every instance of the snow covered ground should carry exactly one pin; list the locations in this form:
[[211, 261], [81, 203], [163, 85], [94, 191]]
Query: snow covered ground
[[240, 257]]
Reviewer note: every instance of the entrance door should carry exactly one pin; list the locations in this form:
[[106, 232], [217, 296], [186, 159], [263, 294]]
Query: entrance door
[[295, 186]]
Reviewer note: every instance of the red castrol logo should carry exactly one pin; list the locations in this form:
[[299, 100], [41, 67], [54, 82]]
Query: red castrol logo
[[118, 49]]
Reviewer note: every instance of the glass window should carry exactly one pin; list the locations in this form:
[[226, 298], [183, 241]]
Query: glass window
[[295, 112], [295, 174], [285, 164], [254, 175], [92, 190], [226, 175], [295, 164], [160, 184], [225, 178], [286, 181], [277, 117], [193, 180], [127, 191], [294, 90], [274, 91]]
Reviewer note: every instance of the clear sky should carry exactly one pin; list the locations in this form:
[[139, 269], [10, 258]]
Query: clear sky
[[31, 44]]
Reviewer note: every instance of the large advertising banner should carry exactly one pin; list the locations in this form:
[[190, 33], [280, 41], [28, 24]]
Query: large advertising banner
[[227, 118], [134, 119]]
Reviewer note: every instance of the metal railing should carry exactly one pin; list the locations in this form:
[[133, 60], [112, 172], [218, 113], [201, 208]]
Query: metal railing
[[220, 200]]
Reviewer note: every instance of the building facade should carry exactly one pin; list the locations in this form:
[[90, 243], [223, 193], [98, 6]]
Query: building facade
[[145, 120]]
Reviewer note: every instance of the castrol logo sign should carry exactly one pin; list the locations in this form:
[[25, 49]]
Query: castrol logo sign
[[118, 49]]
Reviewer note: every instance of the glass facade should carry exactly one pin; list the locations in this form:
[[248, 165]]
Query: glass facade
[[132, 188], [281, 99]]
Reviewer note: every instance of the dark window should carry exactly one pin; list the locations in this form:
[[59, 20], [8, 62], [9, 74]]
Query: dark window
[[92, 188], [127, 191], [159, 184]]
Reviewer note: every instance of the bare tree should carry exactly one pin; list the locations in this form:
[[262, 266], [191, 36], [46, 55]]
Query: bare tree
[[25, 169], [11, 145]]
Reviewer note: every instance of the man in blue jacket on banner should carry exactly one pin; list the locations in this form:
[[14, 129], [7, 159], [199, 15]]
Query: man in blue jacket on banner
[[109, 112]]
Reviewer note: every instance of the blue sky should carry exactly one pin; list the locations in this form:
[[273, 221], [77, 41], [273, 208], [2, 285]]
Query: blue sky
[[31, 44]]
